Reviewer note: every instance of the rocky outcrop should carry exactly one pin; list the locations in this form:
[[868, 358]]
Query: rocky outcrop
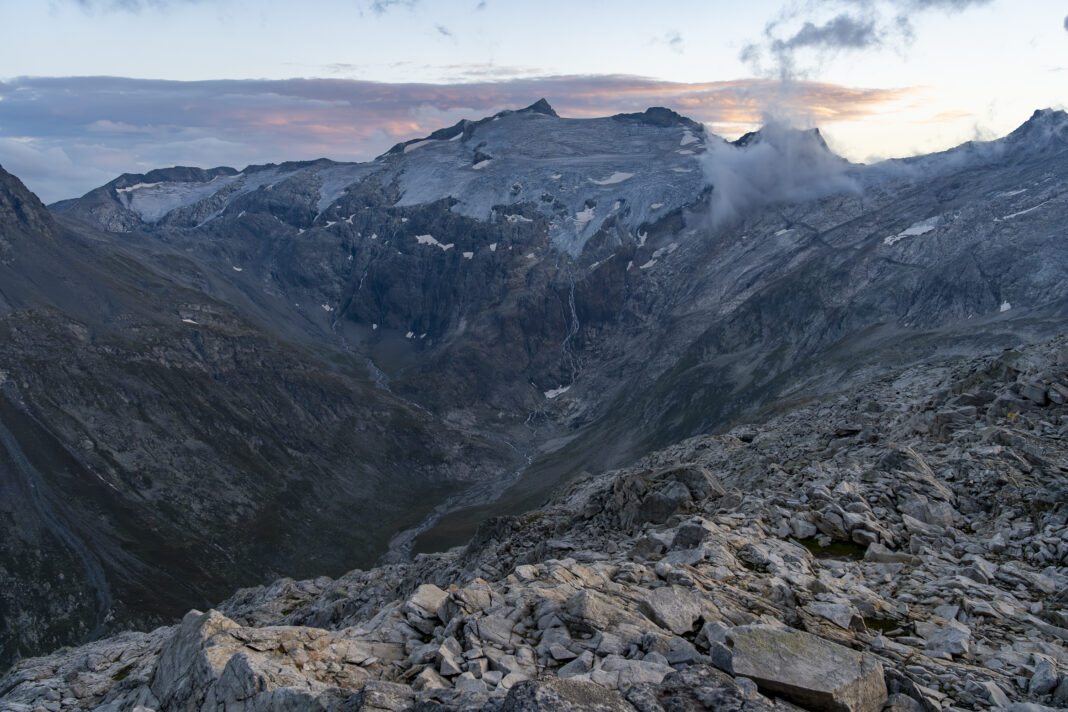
[[753, 591]]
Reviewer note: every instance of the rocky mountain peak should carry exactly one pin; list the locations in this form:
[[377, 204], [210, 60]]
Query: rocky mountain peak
[[21, 208], [1045, 128], [174, 174], [787, 139], [541, 106], [663, 117]]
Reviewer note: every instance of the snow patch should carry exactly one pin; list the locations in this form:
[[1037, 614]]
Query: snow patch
[[688, 138], [553, 393], [556, 176], [493, 247], [683, 170], [482, 164], [1010, 193], [642, 237], [136, 186], [921, 228], [657, 254], [684, 152], [409, 335], [469, 255], [1005, 306], [327, 307], [617, 177], [782, 232], [647, 265], [412, 146], [656, 206], [238, 269], [517, 218], [189, 321], [1022, 212], [584, 217], [429, 240], [374, 327]]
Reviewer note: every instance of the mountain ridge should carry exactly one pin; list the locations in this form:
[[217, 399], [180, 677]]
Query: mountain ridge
[[496, 329]]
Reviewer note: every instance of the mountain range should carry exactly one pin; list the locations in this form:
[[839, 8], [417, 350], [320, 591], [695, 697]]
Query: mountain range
[[213, 378]]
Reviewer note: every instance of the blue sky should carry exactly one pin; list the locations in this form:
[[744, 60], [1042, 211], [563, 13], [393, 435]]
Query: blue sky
[[211, 82]]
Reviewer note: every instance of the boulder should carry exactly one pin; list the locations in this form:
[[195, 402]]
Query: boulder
[[803, 669], [701, 687], [563, 696], [1045, 678], [879, 554], [952, 637], [381, 696], [673, 608], [429, 598], [701, 483], [658, 506], [592, 611]]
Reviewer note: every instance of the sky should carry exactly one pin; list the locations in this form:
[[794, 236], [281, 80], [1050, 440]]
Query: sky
[[91, 89]]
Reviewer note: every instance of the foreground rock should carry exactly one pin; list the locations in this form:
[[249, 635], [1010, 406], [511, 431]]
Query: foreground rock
[[862, 553], [804, 668]]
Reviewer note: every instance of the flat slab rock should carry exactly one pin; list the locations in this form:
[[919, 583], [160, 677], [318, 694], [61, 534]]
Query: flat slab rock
[[563, 696], [804, 669]]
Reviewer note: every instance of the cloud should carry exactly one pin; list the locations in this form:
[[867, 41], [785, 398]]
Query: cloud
[[1066, 23], [843, 32], [673, 40], [948, 116], [380, 7], [131, 5], [72, 134], [945, 4], [856, 25], [443, 30], [781, 165]]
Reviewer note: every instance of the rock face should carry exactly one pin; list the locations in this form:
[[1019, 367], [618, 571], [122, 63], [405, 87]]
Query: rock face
[[717, 606], [261, 357]]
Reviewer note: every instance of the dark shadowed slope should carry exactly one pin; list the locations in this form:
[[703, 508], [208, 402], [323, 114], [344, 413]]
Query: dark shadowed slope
[[157, 448]]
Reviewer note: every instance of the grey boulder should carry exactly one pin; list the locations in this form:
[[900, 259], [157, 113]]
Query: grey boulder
[[803, 669]]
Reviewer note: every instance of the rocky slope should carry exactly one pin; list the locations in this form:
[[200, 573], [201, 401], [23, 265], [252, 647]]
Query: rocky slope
[[248, 361], [900, 545], [157, 446]]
